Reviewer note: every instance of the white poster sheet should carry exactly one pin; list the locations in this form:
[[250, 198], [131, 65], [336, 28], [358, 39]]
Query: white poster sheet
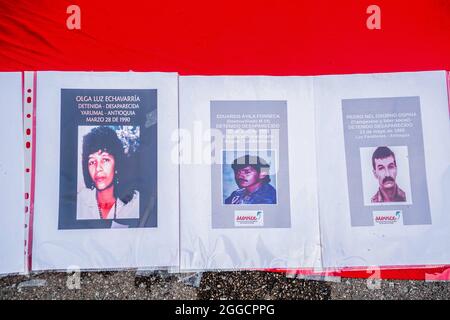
[[384, 169], [12, 215], [248, 173], [106, 181]]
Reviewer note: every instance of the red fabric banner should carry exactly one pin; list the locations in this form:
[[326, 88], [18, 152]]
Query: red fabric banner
[[226, 37]]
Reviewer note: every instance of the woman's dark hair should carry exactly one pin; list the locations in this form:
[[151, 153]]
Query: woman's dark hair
[[105, 139]]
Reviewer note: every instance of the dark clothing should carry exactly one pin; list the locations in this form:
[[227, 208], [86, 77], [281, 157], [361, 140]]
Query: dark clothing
[[266, 194], [399, 196]]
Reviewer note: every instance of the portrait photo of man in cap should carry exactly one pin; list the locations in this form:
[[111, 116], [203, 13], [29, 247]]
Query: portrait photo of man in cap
[[251, 174]]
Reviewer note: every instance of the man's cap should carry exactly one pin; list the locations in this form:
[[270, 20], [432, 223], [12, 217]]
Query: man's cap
[[248, 160]]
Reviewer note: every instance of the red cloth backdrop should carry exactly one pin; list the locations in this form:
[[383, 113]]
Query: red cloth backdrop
[[255, 37], [226, 36]]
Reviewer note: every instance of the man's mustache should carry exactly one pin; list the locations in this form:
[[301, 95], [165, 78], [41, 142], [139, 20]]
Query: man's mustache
[[386, 179]]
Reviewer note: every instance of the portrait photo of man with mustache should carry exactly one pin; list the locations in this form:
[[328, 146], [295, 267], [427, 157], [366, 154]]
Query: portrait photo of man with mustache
[[385, 171], [251, 174]]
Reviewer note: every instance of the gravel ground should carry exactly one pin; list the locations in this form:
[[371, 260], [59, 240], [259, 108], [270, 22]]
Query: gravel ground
[[209, 285]]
